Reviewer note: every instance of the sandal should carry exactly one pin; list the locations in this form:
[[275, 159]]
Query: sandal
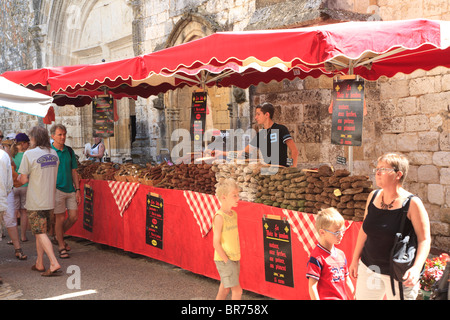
[[63, 254], [50, 273], [19, 254], [34, 268]]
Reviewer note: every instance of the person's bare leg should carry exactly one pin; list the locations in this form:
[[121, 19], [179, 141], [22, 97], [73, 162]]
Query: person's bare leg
[[223, 292], [59, 233], [24, 225], [46, 246], [236, 293], [71, 219]]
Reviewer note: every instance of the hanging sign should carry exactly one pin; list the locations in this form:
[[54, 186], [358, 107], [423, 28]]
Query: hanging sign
[[88, 209], [103, 117], [154, 220], [278, 252], [348, 109], [198, 118]]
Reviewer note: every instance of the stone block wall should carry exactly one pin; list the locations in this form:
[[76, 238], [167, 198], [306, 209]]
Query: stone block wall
[[408, 114]]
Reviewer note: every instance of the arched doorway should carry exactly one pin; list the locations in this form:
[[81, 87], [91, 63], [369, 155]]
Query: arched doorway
[[87, 32], [178, 102]]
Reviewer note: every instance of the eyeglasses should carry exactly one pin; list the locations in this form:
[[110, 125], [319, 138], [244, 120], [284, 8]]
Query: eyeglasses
[[337, 233], [383, 170]]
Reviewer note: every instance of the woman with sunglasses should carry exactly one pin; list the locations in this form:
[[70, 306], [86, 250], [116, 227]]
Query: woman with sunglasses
[[371, 257]]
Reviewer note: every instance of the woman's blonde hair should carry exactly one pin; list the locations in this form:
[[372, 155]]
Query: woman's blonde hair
[[398, 162], [327, 218], [225, 186]]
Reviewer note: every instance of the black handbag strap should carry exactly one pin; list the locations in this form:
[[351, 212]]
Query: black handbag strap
[[405, 209]]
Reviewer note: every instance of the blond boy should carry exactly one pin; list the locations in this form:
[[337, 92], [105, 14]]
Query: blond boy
[[227, 251], [327, 270]]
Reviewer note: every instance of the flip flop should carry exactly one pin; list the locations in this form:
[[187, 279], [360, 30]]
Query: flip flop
[[50, 273], [36, 269]]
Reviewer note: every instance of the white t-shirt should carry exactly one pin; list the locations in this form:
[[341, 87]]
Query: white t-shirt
[[41, 166], [6, 180]]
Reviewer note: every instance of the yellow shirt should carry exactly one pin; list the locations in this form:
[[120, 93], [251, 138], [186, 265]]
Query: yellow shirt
[[230, 237]]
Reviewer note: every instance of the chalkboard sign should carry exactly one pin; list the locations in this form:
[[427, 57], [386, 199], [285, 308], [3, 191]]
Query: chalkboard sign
[[103, 117], [88, 209], [198, 118], [348, 109], [154, 220], [278, 252]]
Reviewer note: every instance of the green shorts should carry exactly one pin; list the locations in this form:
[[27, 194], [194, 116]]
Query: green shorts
[[39, 220], [229, 273]]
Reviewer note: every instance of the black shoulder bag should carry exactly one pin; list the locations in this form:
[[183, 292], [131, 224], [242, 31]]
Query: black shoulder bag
[[404, 250]]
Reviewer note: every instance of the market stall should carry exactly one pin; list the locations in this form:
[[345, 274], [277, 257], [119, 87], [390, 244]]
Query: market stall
[[172, 222], [118, 213], [186, 241]]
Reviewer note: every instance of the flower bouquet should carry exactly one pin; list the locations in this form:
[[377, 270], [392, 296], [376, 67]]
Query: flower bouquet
[[434, 268]]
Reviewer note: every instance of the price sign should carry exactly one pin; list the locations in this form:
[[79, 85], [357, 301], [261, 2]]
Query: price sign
[[88, 208], [198, 118], [278, 252], [348, 110], [103, 117], [154, 220]]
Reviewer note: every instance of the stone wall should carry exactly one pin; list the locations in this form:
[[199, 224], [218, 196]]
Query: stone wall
[[17, 52], [407, 114]]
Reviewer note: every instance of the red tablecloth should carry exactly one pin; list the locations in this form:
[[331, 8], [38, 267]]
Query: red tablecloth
[[186, 243]]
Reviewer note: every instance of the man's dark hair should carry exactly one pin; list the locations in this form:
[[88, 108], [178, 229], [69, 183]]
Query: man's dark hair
[[266, 107]]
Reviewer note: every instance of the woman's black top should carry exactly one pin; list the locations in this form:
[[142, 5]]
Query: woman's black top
[[380, 226]]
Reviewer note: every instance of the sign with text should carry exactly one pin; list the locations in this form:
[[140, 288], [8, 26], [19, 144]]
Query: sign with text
[[198, 118], [103, 117], [278, 252], [154, 220], [348, 109], [88, 208]]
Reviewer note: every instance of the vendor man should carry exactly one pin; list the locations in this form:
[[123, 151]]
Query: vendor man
[[273, 140]]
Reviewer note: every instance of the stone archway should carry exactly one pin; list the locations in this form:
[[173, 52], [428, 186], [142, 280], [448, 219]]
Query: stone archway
[[178, 102], [85, 32]]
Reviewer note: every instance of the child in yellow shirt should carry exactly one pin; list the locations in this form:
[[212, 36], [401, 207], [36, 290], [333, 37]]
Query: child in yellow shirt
[[227, 252]]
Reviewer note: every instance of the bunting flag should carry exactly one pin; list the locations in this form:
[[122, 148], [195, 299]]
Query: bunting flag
[[303, 225], [203, 207], [123, 193]]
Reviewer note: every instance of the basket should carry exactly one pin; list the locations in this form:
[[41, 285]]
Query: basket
[[97, 176], [132, 179], [118, 177]]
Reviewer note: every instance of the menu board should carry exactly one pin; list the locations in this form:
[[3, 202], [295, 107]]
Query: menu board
[[348, 109], [154, 220], [278, 252], [198, 118], [103, 117], [88, 208]]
